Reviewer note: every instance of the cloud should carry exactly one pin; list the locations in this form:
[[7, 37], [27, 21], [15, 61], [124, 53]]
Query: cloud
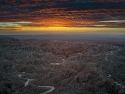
[[99, 25], [10, 26], [22, 22], [114, 21], [73, 13]]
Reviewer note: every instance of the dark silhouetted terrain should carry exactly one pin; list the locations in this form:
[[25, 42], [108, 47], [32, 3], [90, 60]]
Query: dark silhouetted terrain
[[59, 64]]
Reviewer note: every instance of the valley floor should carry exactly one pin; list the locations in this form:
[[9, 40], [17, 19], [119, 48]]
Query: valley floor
[[51, 66]]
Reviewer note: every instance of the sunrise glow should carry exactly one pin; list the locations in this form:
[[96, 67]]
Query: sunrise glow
[[66, 16]]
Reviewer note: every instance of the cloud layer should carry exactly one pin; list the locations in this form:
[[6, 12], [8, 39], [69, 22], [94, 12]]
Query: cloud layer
[[63, 13]]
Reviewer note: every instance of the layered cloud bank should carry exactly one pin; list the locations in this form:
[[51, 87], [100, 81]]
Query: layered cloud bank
[[35, 14]]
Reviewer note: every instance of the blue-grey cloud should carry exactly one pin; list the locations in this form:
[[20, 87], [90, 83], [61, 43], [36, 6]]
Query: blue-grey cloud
[[91, 12]]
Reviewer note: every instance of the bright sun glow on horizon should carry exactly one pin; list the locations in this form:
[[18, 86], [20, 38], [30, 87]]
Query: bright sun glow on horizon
[[51, 27], [69, 29]]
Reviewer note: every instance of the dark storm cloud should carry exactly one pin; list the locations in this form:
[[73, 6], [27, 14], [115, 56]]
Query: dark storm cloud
[[79, 12]]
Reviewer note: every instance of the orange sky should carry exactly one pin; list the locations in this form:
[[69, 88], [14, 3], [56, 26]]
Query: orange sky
[[62, 16]]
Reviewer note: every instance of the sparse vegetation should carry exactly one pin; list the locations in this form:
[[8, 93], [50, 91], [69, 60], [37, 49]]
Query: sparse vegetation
[[77, 67]]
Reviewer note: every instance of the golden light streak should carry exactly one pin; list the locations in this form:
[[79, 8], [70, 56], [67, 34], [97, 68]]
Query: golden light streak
[[69, 29]]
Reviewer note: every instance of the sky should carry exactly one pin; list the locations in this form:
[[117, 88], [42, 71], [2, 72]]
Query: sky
[[61, 16]]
